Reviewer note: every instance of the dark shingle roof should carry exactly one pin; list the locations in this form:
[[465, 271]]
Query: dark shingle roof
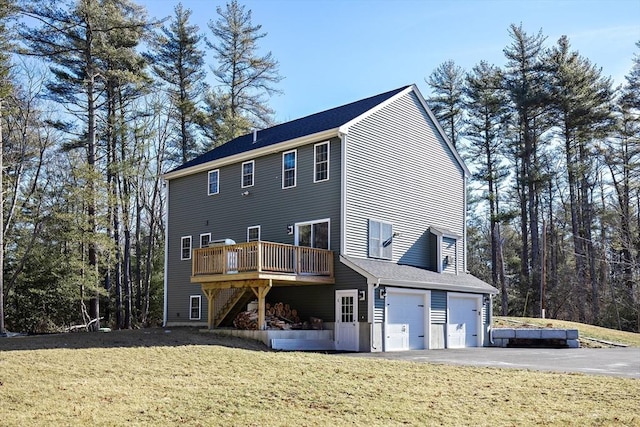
[[390, 273], [319, 122]]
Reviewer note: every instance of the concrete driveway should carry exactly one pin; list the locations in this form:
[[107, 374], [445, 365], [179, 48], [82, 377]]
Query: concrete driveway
[[618, 362]]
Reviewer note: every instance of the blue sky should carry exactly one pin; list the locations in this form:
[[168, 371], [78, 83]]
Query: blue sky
[[332, 52]]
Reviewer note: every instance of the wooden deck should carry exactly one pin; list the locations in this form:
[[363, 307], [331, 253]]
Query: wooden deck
[[257, 266]]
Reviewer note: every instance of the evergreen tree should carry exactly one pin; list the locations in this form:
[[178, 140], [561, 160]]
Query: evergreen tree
[[178, 62], [525, 83], [246, 78], [6, 9], [447, 83], [581, 99], [487, 105]]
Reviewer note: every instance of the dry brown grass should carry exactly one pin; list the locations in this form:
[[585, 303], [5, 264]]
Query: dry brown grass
[[206, 384], [586, 331]]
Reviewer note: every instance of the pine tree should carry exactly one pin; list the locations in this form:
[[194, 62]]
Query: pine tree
[[525, 83], [486, 105], [447, 83], [581, 99], [178, 61], [247, 78]]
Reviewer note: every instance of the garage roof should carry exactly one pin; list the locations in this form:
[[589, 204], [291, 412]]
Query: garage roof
[[390, 273]]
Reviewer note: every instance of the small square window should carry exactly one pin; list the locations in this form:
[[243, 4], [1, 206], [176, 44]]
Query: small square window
[[289, 169], [214, 187], [185, 252], [195, 307], [205, 239], [247, 173], [321, 162], [253, 233]]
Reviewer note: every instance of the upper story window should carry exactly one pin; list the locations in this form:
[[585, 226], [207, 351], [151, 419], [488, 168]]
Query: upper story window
[[205, 239], [289, 169], [380, 239], [185, 250], [253, 233], [214, 182], [321, 162], [247, 173]]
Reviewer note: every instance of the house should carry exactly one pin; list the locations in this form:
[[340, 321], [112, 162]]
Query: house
[[354, 215]]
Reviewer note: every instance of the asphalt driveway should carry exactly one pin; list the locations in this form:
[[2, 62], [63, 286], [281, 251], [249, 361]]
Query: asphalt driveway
[[618, 362]]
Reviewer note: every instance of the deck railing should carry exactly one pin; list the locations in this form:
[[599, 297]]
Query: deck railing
[[267, 257]]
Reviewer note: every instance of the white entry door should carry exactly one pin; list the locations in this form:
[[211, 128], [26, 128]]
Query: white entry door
[[463, 327], [346, 329]]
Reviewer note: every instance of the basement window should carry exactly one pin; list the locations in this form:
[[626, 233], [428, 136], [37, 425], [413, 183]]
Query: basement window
[[195, 307]]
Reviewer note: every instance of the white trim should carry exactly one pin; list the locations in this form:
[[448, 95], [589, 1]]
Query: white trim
[[182, 239], [217, 172], [295, 169], [315, 160], [464, 228], [343, 195], [253, 173], [204, 234], [318, 221], [199, 298], [166, 255], [259, 232], [247, 155]]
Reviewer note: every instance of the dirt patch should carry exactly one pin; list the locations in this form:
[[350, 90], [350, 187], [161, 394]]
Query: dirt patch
[[151, 337]]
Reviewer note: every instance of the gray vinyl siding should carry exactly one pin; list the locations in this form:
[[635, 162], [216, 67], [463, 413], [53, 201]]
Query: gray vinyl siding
[[438, 307], [400, 170], [229, 213]]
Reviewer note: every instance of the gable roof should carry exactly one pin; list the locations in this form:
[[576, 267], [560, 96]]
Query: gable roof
[[324, 124], [309, 125], [389, 273]]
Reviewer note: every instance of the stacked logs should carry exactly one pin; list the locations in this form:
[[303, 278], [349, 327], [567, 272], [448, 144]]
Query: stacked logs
[[277, 316]]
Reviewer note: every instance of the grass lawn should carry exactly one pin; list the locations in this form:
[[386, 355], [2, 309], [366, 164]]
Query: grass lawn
[[155, 382]]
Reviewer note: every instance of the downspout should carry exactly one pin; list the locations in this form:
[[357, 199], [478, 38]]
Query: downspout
[[373, 297]]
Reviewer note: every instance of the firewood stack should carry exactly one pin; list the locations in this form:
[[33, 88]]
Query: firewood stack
[[277, 316]]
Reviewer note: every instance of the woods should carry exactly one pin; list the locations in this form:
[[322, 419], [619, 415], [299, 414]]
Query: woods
[[97, 100], [554, 147]]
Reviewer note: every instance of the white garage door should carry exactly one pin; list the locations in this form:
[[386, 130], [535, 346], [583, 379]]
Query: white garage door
[[464, 320], [406, 319]]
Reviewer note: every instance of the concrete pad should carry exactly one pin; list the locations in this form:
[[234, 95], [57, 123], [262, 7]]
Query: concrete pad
[[560, 334], [572, 334], [503, 333]]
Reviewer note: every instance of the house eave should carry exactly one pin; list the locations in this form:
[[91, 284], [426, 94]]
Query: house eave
[[252, 154]]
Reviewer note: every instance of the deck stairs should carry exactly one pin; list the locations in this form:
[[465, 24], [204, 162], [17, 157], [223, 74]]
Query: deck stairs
[[229, 302]]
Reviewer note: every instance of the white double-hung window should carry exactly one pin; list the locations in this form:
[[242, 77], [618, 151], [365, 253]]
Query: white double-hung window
[[289, 169], [214, 182], [380, 239]]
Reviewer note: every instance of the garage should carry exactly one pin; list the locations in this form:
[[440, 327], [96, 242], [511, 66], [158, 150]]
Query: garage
[[407, 319], [464, 325]]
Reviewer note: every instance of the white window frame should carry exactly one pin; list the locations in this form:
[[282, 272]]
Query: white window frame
[[183, 247], [253, 170], [299, 224], [379, 254], [203, 235], [193, 298], [295, 169], [251, 228], [217, 173], [315, 161]]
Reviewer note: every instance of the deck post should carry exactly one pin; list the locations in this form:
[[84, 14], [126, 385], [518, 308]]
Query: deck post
[[261, 292], [210, 294]]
